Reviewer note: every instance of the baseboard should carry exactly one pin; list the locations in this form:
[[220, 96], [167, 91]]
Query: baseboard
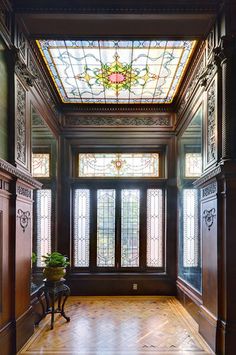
[[189, 298], [208, 327], [24, 328], [7, 339]]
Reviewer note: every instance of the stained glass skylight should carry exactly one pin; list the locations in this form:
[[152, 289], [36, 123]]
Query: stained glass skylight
[[116, 71]]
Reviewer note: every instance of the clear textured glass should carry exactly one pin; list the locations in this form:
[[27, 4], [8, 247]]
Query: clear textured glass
[[43, 218], [190, 228], [40, 164], [115, 71], [130, 201], [119, 165], [193, 164], [154, 228], [106, 202], [81, 227]]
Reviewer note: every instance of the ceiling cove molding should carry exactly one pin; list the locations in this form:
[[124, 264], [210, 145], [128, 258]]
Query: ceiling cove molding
[[71, 108], [131, 6], [120, 121]]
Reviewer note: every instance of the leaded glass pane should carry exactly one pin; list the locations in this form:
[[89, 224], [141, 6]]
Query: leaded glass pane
[[190, 228], [106, 227], [81, 227], [193, 164], [154, 228], [44, 215], [130, 228], [116, 71], [40, 164], [119, 165]]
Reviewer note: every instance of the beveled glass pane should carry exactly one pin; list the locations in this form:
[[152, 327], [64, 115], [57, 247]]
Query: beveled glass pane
[[116, 71], [193, 164], [40, 164], [43, 218], [190, 228], [81, 227], [106, 200], [130, 228], [154, 228], [119, 165]]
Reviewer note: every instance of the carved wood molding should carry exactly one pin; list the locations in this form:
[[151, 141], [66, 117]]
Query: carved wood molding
[[24, 217], [20, 123], [208, 176], [209, 216], [13, 171], [24, 191], [21, 69], [4, 185], [211, 144], [111, 121], [210, 189]]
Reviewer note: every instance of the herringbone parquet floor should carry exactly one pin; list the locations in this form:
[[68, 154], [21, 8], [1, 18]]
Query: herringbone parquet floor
[[119, 326]]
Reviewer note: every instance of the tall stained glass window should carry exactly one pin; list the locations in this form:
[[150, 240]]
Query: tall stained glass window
[[154, 228], [44, 215], [190, 228], [130, 228], [193, 164], [119, 165], [40, 165], [81, 227], [116, 71], [106, 227]]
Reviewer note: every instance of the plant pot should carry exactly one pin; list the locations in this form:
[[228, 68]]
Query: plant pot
[[54, 273]]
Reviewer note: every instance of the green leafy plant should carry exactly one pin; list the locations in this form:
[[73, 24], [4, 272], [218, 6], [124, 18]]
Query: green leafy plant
[[55, 259], [33, 257]]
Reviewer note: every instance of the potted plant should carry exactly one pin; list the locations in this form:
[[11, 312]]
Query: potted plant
[[55, 264]]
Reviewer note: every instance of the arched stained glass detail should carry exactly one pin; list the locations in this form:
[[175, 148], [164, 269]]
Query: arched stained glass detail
[[106, 200], [119, 165], [81, 227], [154, 228]]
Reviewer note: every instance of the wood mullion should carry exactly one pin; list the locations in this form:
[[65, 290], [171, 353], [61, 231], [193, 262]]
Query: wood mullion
[[118, 230], [93, 229], [143, 229]]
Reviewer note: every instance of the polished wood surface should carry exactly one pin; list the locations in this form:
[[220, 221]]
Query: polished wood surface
[[119, 325]]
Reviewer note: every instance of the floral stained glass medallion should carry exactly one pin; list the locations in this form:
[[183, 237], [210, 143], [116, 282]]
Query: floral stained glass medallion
[[40, 164], [119, 165], [116, 71]]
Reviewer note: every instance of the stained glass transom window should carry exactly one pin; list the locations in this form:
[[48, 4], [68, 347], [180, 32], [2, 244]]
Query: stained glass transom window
[[40, 164], [116, 71], [190, 228], [44, 215], [154, 228], [81, 227], [106, 227], [119, 165], [130, 228], [193, 164]]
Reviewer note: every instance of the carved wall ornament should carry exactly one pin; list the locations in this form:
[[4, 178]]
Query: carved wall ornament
[[209, 189], [211, 123], [208, 216], [20, 123], [23, 71], [208, 73], [118, 121], [225, 49], [24, 218], [23, 191]]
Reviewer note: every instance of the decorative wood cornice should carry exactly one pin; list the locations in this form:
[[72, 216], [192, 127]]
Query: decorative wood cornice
[[15, 172], [111, 121], [83, 108], [208, 176], [122, 6]]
